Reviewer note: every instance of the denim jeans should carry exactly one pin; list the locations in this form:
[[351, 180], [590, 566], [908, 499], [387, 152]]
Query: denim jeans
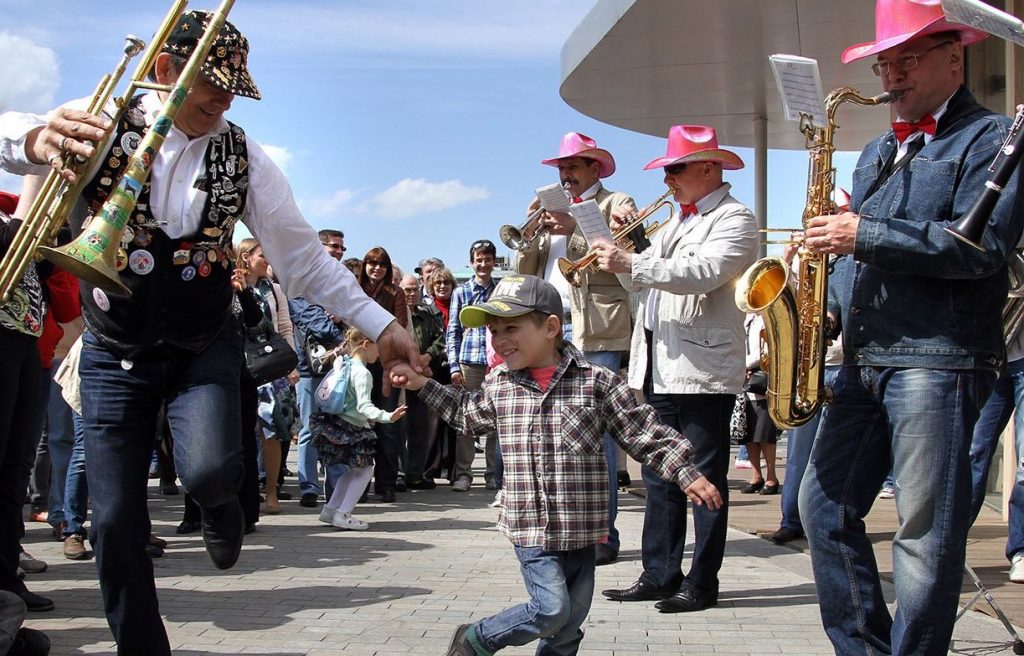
[[920, 420], [609, 360], [561, 587], [76, 487], [798, 452], [1007, 395], [309, 476], [120, 403], [704, 420], [60, 432]]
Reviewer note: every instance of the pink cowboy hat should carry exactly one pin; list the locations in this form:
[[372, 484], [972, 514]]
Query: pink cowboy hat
[[899, 21], [575, 144], [695, 143]]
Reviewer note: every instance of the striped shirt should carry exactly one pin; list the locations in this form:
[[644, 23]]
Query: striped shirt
[[466, 345], [556, 477]]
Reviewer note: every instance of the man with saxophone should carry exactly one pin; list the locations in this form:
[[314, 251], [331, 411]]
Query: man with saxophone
[[596, 312], [922, 341], [175, 340], [688, 356]]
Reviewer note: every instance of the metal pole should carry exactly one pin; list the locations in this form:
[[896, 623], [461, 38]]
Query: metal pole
[[761, 176]]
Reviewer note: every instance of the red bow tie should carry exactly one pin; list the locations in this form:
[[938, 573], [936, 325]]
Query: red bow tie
[[577, 199], [687, 209], [904, 129]]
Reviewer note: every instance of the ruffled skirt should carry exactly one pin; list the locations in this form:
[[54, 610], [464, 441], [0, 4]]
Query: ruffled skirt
[[339, 442]]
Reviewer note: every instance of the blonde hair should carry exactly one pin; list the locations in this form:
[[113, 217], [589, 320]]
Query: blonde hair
[[354, 339], [243, 250], [443, 273]]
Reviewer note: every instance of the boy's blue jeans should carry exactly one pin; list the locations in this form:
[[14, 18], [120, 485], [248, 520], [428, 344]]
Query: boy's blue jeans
[[561, 587]]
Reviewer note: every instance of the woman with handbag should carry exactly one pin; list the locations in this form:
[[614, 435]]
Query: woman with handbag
[[274, 333], [762, 435]]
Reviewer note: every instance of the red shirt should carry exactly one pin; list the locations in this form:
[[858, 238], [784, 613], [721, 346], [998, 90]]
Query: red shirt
[[62, 306], [543, 376]]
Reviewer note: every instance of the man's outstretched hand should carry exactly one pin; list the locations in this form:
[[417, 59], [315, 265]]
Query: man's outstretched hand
[[397, 346]]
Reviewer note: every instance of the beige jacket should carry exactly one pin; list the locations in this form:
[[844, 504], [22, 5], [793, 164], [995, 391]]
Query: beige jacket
[[699, 346], [600, 307]]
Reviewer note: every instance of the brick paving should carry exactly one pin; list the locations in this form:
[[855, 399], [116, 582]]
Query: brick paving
[[428, 563]]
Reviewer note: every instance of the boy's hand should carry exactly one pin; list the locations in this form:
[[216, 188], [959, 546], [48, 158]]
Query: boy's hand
[[702, 493], [402, 375], [399, 412]]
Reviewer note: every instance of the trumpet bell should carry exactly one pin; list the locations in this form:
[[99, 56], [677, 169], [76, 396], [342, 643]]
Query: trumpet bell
[[570, 270], [99, 272], [511, 236]]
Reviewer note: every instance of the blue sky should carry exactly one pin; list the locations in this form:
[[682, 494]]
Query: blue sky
[[417, 126]]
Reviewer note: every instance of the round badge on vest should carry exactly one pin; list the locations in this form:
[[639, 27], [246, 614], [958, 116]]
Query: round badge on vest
[[211, 255], [204, 269], [127, 364], [141, 262], [130, 142], [127, 236], [100, 299], [121, 260], [188, 273], [198, 258], [142, 238]]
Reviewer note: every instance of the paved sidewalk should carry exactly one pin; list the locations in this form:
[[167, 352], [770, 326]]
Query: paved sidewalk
[[428, 563]]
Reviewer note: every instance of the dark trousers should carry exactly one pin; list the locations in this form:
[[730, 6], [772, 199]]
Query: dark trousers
[[385, 471], [120, 402], [20, 419], [704, 420]]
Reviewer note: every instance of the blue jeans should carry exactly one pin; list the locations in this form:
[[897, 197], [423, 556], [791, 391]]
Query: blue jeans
[[920, 420], [309, 476], [561, 587], [76, 488], [609, 360], [60, 433], [798, 452], [120, 405], [704, 420], [1007, 395]]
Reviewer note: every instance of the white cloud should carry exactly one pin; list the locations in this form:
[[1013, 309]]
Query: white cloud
[[331, 206], [29, 75], [410, 197], [280, 155]]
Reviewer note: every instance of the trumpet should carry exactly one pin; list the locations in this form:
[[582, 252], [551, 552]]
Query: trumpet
[[573, 271], [516, 238]]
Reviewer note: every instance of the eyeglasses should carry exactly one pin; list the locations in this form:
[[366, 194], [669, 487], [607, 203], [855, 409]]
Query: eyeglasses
[[905, 62], [335, 247], [443, 283], [375, 263], [674, 169]]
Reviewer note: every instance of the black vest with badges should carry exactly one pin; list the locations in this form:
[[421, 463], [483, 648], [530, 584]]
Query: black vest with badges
[[181, 288]]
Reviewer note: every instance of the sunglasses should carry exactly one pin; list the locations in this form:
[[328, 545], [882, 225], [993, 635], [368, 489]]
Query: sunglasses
[[674, 169], [483, 243], [374, 263]]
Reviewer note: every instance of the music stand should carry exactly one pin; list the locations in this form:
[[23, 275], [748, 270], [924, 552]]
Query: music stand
[[1018, 644]]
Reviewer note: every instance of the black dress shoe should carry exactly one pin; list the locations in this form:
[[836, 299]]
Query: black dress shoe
[[423, 484], [752, 488], [639, 591], [400, 485], [308, 500], [187, 527], [605, 555], [769, 490], [35, 603], [687, 600], [624, 480], [223, 528], [283, 496], [250, 527], [784, 535], [29, 642], [169, 489], [388, 495]]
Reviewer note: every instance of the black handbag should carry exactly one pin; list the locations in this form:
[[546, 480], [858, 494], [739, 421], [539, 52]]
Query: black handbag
[[757, 383], [269, 357]]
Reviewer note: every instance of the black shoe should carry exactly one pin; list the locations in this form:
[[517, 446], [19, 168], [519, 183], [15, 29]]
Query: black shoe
[[35, 603], [784, 535], [752, 488], [460, 645], [187, 527], [283, 496], [308, 500], [223, 528], [400, 485], [639, 591], [388, 495], [491, 485], [154, 551], [29, 642], [769, 490], [688, 600], [287, 472], [169, 489], [250, 527], [423, 484], [624, 479], [606, 555]]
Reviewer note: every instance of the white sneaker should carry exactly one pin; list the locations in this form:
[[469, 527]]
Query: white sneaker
[[497, 503], [743, 464], [1017, 568], [327, 514], [890, 493], [347, 521]]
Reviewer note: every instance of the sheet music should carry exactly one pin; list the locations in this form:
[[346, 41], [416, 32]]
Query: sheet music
[[985, 17], [553, 198], [799, 87], [590, 220]]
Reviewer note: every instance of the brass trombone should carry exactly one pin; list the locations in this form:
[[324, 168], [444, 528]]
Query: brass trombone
[[92, 256], [573, 271], [516, 239]]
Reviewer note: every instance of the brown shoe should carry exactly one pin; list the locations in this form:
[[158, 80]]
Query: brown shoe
[[74, 547]]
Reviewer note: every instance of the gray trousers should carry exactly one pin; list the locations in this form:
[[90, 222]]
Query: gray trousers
[[473, 377]]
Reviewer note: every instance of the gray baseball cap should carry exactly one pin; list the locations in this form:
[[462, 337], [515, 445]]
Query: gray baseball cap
[[514, 296]]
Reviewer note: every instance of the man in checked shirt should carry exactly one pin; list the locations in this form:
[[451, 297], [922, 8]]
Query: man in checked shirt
[[550, 408]]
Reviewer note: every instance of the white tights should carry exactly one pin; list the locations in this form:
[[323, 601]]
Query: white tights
[[349, 488]]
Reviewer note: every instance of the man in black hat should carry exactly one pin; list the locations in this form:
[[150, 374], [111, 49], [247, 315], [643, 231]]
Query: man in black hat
[[175, 340]]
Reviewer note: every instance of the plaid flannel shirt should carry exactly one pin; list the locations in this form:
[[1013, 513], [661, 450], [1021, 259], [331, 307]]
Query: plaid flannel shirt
[[556, 477], [466, 345]]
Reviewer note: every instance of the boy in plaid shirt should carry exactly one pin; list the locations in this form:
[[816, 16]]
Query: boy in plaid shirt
[[550, 409]]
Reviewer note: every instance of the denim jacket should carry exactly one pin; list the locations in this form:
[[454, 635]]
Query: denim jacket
[[914, 295]]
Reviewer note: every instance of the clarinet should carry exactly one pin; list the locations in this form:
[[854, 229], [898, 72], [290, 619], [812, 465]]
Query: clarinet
[[971, 226]]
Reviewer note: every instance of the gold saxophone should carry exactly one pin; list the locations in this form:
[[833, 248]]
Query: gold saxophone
[[794, 312]]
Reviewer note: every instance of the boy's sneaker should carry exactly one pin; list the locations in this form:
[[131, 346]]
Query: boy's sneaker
[[743, 464], [890, 493], [460, 645], [348, 522], [497, 500], [462, 485], [327, 514], [1017, 568]]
